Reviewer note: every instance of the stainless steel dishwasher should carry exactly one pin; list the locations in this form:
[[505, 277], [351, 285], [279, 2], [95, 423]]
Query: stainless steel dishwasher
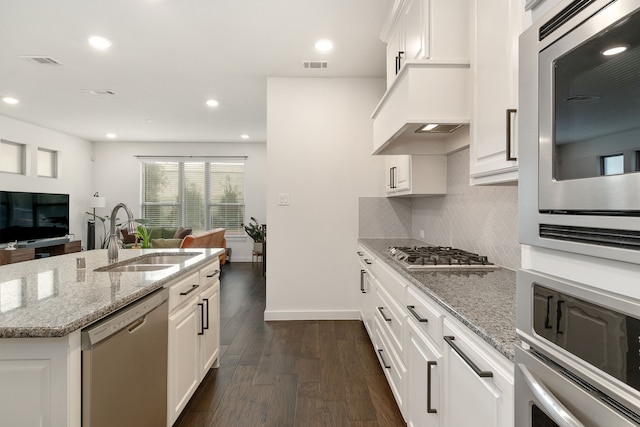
[[124, 366]]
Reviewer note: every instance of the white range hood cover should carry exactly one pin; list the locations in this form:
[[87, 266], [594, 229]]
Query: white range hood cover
[[423, 92]]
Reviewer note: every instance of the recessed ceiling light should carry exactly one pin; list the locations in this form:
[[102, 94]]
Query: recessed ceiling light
[[9, 100], [244, 136], [427, 128], [323, 45], [212, 103], [99, 42], [614, 50], [111, 135]]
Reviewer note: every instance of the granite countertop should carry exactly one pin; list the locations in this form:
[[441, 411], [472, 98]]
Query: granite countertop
[[50, 297], [485, 302]]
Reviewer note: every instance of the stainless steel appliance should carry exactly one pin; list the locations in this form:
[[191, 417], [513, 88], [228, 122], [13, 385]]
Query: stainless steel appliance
[[124, 366], [580, 365], [439, 257], [579, 129]]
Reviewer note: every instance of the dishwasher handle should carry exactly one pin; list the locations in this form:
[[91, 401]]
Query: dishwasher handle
[[122, 319]]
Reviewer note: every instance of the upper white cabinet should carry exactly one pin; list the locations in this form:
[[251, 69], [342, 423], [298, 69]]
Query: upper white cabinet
[[408, 175], [427, 75], [496, 26]]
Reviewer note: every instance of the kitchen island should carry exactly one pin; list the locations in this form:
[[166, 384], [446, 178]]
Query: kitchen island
[[45, 303]]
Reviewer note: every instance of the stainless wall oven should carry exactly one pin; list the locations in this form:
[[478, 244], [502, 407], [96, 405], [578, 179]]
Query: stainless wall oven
[[580, 129], [580, 365]]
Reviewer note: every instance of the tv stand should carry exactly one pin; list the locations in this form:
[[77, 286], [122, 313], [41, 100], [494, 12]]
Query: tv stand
[[29, 253]]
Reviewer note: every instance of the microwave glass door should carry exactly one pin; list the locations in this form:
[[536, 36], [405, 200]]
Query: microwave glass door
[[589, 101]]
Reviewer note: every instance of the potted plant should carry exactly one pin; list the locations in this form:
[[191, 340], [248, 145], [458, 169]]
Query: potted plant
[[255, 230], [143, 236]]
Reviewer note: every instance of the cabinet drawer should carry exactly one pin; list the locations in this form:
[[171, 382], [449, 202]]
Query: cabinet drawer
[[425, 314], [391, 316], [183, 289], [210, 274], [391, 363], [392, 282]]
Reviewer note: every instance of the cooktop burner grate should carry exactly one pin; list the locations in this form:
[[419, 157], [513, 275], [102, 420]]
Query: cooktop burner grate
[[439, 257]]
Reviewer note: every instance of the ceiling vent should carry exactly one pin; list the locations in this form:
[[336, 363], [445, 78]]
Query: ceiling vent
[[42, 60], [315, 65], [99, 92]]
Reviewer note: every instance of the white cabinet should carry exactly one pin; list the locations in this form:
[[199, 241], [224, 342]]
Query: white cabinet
[[477, 382], [408, 175], [494, 69], [424, 362], [367, 290], [183, 369], [40, 381], [194, 335]]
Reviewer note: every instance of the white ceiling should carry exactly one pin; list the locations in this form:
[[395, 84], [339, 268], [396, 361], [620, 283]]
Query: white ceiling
[[169, 56]]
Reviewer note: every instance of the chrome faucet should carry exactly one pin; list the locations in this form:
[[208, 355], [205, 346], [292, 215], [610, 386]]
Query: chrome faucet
[[113, 238]]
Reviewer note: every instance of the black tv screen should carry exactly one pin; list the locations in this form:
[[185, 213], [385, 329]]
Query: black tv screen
[[33, 216]]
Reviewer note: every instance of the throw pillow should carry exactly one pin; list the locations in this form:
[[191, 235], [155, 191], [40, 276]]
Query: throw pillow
[[181, 233]]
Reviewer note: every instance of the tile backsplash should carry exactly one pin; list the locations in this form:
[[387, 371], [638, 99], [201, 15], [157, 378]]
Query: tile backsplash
[[482, 219]]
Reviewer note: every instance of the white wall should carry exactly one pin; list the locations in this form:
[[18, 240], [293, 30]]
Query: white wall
[[74, 168], [319, 141], [116, 173]]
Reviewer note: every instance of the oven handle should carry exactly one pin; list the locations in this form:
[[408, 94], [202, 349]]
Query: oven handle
[[554, 408]]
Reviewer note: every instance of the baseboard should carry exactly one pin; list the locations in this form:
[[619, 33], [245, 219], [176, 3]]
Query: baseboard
[[270, 315]]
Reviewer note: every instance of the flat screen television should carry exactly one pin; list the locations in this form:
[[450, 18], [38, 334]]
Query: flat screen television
[[33, 216]]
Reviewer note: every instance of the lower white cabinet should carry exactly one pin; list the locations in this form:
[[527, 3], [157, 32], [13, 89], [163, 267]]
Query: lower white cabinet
[[367, 289], [477, 384], [434, 386], [194, 335]]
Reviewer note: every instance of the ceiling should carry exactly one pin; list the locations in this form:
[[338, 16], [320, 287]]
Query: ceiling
[[169, 56]]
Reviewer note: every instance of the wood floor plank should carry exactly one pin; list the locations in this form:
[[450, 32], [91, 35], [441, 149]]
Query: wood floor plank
[[293, 373]]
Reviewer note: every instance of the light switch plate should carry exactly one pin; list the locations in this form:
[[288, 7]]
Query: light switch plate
[[283, 199]]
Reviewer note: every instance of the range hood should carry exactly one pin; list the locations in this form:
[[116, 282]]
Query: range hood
[[425, 111]]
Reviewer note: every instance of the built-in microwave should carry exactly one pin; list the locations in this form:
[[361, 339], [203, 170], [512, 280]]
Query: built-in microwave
[[579, 127]]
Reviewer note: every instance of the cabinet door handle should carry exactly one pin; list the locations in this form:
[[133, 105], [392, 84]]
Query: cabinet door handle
[[390, 178], [384, 363], [400, 53], [193, 288], [397, 64], [412, 310], [386, 319], [362, 273], [201, 305], [559, 316], [430, 410], [393, 177], [478, 371], [213, 274], [510, 112], [206, 300]]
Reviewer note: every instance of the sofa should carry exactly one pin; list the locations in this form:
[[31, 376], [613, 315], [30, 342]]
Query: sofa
[[179, 237]]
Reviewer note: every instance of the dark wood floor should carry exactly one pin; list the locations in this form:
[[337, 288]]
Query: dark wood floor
[[278, 374]]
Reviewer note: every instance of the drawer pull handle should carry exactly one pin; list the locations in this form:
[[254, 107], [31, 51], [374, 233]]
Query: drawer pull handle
[[384, 363], [478, 371], [386, 319], [430, 410], [359, 253], [216, 272], [412, 310], [193, 288], [368, 262]]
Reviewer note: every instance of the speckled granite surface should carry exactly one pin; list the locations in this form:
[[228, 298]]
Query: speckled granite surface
[[51, 298], [485, 302]]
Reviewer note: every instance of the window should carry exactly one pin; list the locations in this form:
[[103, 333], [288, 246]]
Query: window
[[200, 195], [613, 165], [47, 163], [12, 157]]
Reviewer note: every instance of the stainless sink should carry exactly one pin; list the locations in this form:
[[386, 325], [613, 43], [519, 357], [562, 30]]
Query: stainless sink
[[161, 259], [139, 267], [148, 262]]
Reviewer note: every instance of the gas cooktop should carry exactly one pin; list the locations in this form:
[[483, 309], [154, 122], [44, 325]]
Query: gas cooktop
[[439, 257]]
